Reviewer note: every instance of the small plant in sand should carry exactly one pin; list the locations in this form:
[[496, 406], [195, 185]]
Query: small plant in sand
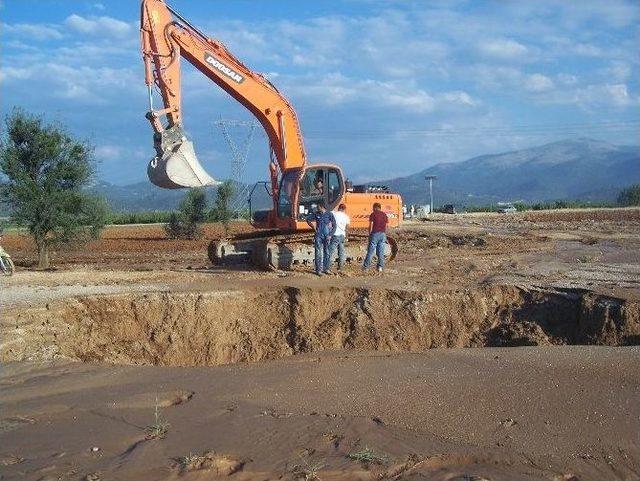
[[216, 464], [160, 427], [368, 456], [192, 462], [308, 470]]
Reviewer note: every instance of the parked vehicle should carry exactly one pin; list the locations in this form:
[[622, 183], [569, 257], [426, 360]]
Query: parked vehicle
[[447, 209], [6, 264], [507, 209]]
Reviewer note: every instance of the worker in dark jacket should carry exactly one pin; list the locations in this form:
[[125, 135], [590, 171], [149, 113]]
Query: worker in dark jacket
[[323, 223], [378, 221]]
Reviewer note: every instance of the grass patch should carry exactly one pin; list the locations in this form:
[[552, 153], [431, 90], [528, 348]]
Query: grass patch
[[192, 462], [585, 259], [308, 470], [146, 217], [368, 456], [160, 427]]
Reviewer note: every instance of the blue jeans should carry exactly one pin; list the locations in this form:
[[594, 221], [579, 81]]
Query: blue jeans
[[321, 250], [337, 241], [376, 245]]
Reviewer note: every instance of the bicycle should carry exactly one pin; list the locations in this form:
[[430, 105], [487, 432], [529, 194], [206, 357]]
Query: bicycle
[[6, 264]]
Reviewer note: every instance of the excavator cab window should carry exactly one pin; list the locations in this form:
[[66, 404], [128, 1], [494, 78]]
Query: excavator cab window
[[287, 193], [334, 188], [319, 184], [312, 185]]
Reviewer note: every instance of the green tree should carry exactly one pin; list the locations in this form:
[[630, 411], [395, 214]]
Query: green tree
[[629, 196], [46, 173], [185, 224], [221, 211]]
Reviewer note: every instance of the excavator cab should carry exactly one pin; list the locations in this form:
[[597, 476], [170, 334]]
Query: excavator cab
[[301, 190]]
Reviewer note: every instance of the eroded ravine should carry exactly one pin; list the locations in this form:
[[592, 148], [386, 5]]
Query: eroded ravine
[[209, 328]]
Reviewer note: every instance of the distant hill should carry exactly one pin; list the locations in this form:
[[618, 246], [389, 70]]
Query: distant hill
[[582, 169], [144, 196], [138, 196]]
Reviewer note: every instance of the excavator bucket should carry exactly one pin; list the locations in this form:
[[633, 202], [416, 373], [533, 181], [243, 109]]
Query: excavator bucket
[[178, 168], [176, 165]]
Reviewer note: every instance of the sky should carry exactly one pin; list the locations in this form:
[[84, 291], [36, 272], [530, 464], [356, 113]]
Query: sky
[[382, 88]]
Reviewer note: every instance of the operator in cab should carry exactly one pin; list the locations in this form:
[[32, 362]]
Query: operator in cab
[[323, 222]]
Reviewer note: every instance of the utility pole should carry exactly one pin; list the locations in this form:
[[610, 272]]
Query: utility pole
[[431, 178]]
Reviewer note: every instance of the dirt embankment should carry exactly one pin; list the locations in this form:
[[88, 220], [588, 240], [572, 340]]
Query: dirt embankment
[[209, 328]]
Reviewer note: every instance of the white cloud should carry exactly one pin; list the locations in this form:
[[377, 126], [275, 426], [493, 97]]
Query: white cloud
[[32, 31], [86, 85], [493, 77], [413, 100], [460, 98], [567, 79], [330, 89], [337, 89], [614, 13], [538, 83], [13, 73], [618, 71], [587, 50], [619, 94], [108, 152], [503, 49], [99, 25], [594, 96]]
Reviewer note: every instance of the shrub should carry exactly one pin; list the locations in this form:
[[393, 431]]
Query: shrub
[[629, 196], [185, 224]]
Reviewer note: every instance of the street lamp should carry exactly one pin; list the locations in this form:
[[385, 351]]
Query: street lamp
[[430, 178]]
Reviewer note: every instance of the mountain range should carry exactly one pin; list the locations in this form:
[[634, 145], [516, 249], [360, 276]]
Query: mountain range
[[573, 169], [580, 169]]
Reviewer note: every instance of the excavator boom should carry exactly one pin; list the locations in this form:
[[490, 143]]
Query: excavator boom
[[167, 37]]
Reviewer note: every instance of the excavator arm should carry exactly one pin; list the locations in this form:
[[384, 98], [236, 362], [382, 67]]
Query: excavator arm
[[167, 37]]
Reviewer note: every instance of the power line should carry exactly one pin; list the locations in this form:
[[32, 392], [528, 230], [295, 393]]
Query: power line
[[239, 157], [526, 130]]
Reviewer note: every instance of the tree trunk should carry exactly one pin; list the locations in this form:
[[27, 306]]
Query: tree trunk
[[43, 255]]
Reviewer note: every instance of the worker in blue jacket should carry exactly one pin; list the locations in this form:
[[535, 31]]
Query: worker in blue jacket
[[325, 228]]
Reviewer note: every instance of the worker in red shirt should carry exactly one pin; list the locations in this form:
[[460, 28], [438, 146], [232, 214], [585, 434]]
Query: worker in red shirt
[[378, 221]]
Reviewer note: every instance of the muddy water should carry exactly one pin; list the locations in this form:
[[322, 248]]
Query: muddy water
[[209, 328]]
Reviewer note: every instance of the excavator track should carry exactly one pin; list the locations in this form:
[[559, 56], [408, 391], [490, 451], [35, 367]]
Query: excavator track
[[273, 251]]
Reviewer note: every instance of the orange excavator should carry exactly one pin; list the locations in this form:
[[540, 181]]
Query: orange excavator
[[296, 187]]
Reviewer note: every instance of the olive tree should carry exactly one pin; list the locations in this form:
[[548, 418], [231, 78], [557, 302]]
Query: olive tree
[[185, 224], [45, 173], [221, 211]]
